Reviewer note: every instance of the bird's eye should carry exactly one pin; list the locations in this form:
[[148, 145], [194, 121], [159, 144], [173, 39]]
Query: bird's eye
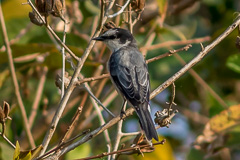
[[112, 37]]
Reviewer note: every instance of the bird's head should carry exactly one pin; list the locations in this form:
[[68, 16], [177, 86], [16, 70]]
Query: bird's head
[[116, 38]]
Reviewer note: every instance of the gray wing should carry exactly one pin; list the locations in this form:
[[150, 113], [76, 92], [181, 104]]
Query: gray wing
[[129, 72]]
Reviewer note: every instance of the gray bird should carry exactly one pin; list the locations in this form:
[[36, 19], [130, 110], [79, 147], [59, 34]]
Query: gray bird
[[129, 73]]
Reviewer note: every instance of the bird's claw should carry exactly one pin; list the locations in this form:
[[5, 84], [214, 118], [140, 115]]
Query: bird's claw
[[123, 115]]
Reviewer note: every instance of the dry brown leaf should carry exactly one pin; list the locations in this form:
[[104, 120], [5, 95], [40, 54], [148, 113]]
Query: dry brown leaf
[[214, 134]]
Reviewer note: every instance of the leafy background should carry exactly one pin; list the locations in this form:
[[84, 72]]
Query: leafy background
[[220, 70]]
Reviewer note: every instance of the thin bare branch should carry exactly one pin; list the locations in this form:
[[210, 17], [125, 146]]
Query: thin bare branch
[[107, 101], [98, 102], [123, 150], [93, 78], [62, 144], [95, 132], [172, 43], [203, 83], [172, 99], [38, 96], [100, 116], [74, 119], [63, 59], [171, 52], [7, 140], [119, 133], [15, 82], [120, 11]]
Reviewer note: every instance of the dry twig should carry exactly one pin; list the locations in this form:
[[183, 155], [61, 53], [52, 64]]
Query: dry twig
[[15, 82], [123, 150], [38, 96]]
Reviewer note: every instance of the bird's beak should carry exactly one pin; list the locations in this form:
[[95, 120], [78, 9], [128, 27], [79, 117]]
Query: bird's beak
[[98, 38]]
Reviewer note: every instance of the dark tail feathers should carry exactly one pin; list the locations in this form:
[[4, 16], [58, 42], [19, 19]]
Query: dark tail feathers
[[146, 122]]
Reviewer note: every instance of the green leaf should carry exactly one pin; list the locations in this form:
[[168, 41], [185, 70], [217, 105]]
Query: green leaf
[[161, 4], [233, 62], [3, 76], [195, 155], [79, 152], [91, 7], [15, 9], [27, 157], [157, 153], [36, 151], [16, 152], [30, 154], [233, 139]]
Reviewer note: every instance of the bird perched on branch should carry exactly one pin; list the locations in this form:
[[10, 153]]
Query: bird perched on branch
[[129, 73]]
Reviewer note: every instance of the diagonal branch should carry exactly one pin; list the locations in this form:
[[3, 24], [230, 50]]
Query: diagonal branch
[[15, 82], [38, 96], [122, 151], [120, 11], [171, 43], [196, 59]]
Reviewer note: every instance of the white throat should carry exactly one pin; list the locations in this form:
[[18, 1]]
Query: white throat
[[115, 44]]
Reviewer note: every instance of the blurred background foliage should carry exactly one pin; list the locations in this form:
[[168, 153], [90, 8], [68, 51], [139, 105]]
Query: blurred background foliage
[[191, 135]]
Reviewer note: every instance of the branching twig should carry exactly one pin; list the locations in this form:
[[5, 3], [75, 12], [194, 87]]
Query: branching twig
[[172, 99], [172, 43], [62, 144], [95, 98], [93, 78], [7, 140], [202, 82], [123, 150], [108, 100], [120, 11], [15, 82], [71, 127], [164, 117], [95, 132], [171, 52], [196, 59], [119, 132]]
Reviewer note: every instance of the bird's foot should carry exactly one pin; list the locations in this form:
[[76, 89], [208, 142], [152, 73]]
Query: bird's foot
[[123, 115]]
